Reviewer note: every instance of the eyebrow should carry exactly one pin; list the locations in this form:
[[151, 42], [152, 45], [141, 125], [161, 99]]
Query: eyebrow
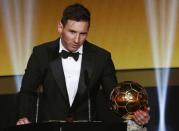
[[71, 30]]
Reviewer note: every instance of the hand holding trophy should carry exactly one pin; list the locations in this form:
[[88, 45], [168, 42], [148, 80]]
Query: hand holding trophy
[[126, 98]]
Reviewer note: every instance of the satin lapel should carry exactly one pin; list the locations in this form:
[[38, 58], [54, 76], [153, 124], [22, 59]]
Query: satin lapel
[[57, 71], [86, 69]]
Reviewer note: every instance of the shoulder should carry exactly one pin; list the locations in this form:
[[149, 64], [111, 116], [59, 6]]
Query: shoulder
[[47, 45], [48, 50], [93, 48], [45, 52]]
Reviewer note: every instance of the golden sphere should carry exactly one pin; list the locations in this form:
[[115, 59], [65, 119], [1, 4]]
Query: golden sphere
[[128, 97]]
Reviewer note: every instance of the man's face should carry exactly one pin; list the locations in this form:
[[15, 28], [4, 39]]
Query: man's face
[[73, 34]]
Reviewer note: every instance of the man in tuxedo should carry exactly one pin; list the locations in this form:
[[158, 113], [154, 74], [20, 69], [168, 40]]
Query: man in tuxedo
[[71, 71]]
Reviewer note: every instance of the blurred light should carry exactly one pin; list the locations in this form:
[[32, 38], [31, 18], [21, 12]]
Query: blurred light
[[162, 47], [18, 33]]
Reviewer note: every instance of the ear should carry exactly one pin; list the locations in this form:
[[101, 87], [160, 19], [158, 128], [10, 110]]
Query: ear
[[60, 27]]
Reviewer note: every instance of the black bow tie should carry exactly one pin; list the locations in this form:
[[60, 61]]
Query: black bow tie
[[66, 54]]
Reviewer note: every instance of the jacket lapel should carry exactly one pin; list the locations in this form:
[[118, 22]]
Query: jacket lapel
[[57, 70]]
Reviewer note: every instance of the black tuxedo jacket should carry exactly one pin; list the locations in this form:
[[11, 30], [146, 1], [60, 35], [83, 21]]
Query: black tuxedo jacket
[[45, 68]]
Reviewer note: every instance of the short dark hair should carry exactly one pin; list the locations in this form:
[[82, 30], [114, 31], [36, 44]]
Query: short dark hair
[[76, 12]]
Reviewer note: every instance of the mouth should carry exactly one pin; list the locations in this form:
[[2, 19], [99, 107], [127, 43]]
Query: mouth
[[75, 46]]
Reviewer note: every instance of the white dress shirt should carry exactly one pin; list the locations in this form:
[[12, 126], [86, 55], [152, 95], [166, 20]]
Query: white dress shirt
[[71, 70]]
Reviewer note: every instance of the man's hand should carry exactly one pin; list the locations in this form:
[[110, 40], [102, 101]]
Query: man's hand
[[142, 117], [23, 121]]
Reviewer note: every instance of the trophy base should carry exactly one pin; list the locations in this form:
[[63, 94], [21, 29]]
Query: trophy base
[[132, 126]]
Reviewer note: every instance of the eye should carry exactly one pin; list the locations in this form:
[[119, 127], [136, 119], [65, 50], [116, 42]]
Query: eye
[[72, 32], [83, 34]]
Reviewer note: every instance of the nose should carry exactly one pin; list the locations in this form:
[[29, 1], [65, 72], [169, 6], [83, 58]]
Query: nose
[[77, 38]]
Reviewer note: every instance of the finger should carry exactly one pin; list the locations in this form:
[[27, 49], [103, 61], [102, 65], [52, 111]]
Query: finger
[[20, 122], [26, 121], [23, 121], [141, 117]]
